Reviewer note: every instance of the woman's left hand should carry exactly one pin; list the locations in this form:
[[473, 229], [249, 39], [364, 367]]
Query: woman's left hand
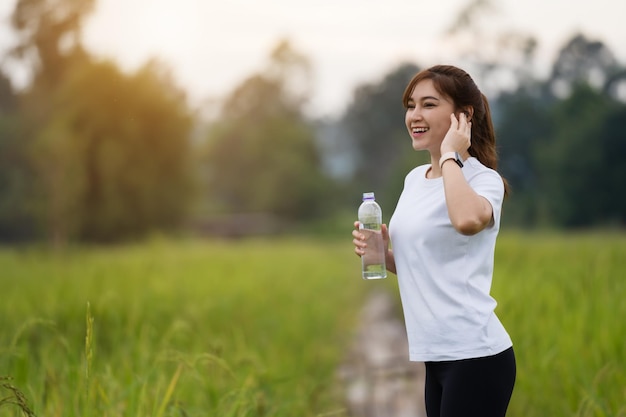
[[458, 138]]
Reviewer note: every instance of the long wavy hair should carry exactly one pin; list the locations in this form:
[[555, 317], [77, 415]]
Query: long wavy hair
[[457, 85]]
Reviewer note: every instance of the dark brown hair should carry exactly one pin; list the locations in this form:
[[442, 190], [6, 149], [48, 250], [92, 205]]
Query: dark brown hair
[[457, 85]]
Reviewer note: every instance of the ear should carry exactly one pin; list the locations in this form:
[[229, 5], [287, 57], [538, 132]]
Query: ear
[[469, 112]]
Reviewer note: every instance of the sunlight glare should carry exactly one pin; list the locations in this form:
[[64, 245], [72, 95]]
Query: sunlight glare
[[168, 28]]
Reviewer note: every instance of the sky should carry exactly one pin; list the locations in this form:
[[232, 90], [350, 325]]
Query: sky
[[212, 45]]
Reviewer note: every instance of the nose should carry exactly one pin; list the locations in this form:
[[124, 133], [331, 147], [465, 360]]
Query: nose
[[414, 114]]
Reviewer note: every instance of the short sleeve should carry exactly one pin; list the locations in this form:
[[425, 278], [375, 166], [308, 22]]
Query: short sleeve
[[488, 184]]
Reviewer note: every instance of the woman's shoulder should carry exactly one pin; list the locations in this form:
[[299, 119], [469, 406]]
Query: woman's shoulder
[[416, 173], [482, 177], [421, 169], [475, 167]]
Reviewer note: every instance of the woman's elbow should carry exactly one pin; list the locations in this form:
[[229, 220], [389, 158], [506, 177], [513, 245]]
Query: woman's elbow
[[470, 226]]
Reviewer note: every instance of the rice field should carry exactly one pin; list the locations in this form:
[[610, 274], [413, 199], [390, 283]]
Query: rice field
[[258, 327]]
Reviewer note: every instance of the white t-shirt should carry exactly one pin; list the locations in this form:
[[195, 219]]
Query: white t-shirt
[[445, 277]]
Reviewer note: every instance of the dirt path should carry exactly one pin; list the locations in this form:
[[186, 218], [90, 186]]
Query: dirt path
[[378, 377]]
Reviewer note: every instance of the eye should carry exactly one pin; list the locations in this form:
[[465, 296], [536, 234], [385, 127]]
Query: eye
[[429, 104], [410, 106]]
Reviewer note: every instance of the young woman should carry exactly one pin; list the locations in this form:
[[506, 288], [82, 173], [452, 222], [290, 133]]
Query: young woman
[[443, 233]]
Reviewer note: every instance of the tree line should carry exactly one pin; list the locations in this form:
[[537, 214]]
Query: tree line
[[559, 139], [90, 153]]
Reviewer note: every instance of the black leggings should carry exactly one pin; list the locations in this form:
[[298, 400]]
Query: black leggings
[[479, 387]]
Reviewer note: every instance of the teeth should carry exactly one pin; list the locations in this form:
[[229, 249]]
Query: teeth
[[420, 129]]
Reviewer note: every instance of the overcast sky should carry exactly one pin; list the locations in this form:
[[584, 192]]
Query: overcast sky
[[211, 45]]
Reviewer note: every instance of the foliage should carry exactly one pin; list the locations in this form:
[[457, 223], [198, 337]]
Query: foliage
[[262, 155], [582, 60], [17, 219], [577, 184], [88, 152], [374, 123], [98, 154], [498, 63], [557, 137], [49, 35], [113, 160], [16, 398], [560, 297], [259, 327], [519, 142], [217, 325]]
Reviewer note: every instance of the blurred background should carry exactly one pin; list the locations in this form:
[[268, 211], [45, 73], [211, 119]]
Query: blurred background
[[145, 124], [120, 119]]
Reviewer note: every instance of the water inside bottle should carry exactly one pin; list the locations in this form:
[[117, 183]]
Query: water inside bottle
[[373, 261]]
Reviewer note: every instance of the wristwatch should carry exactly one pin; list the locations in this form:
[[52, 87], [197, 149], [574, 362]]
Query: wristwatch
[[451, 155]]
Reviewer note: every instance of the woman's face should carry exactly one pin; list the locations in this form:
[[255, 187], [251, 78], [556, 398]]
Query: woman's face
[[428, 117]]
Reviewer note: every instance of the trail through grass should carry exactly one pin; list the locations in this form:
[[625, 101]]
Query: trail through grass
[[258, 327]]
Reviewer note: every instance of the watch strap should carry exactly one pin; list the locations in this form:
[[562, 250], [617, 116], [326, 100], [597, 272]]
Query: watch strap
[[451, 155]]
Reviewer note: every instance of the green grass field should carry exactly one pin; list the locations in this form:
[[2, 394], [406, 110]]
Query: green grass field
[[258, 327]]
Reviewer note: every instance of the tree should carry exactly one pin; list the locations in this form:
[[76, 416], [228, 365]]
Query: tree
[[114, 154], [583, 60], [523, 127], [374, 123], [498, 63], [579, 187], [49, 35], [611, 187], [262, 155], [48, 44], [110, 150], [17, 220], [556, 136]]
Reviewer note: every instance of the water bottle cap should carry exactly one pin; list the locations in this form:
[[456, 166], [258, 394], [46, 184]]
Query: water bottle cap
[[368, 196]]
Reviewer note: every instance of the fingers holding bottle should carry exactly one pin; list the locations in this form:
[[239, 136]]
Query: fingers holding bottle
[[358, 240]]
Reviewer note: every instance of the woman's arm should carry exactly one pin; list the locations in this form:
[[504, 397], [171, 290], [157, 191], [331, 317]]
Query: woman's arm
[[469, 212]]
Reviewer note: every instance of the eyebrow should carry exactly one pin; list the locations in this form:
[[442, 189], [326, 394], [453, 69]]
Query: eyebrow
[[411, 100]]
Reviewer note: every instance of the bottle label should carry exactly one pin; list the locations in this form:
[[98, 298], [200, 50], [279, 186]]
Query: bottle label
[[369, 226]]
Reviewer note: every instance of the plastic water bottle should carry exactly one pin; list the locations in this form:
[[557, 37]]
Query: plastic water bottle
[[370, 224]]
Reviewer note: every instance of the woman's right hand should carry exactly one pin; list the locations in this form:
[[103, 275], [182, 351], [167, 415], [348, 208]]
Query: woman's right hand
[[358, 240]]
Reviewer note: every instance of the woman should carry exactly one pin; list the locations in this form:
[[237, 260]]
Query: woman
[[444, 232]]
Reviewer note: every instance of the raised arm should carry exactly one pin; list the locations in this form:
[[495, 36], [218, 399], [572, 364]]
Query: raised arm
[[469, 212]]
